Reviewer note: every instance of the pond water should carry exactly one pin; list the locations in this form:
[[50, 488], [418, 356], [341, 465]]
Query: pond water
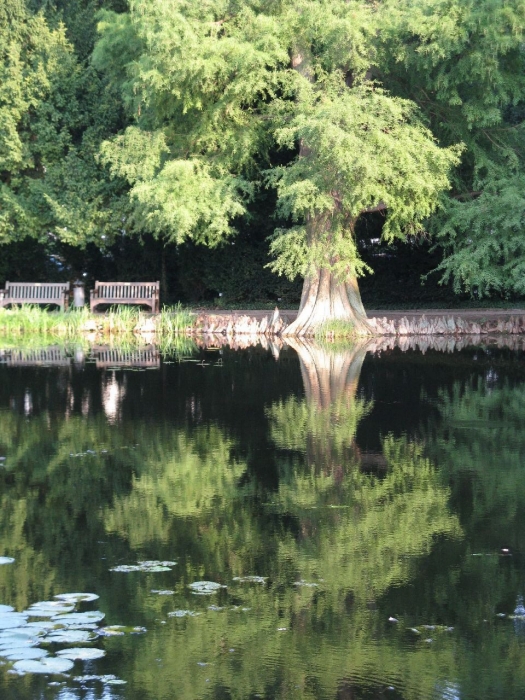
[[333, 523]]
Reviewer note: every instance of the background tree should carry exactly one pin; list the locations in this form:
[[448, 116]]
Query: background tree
[[55, 109], [462, 62]]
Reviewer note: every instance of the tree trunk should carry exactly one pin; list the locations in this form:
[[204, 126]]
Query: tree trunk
[[331, 378], [325, 298]]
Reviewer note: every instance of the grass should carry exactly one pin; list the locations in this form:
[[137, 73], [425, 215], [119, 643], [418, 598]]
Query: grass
[[30, 321], [337, 328]]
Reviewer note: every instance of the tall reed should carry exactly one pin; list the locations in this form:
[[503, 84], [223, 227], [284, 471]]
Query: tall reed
[[33, 321]]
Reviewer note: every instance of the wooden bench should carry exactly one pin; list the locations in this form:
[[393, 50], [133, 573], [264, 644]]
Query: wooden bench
[[138, 293], [54, 356], [36, 293], [108, 357]]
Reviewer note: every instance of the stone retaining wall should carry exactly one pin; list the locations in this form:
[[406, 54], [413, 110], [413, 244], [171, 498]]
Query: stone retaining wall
[[447, 325], [273, 325]]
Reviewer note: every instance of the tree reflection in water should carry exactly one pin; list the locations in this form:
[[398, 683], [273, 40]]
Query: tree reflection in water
[[345, 538]]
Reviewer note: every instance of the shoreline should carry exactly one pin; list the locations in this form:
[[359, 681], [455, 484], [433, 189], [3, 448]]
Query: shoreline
[[429, 322], [30, 322]]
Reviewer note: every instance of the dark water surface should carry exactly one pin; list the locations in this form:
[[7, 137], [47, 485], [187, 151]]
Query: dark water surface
[[379, 496]]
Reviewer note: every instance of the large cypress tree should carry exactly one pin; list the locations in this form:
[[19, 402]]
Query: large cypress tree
[[214, 87]]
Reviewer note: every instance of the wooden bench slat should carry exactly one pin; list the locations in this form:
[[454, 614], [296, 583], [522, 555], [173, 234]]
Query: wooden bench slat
[[35, 293], [138, 293]]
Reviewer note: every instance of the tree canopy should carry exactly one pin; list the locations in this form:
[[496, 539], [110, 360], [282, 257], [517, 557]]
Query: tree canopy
[[172, 118]]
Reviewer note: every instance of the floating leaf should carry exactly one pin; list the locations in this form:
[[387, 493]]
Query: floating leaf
[[6, 560], [115, 631], [205, 587], [21, 653], [44, 626], [183, 613], [149, 566], [163, 592], [49, 664], [80, 618], [49, 608], [77, 597], [119, 630], [11, 620], [70, 636], [81, 653], [17, 641], [6, 609], [305, 584], [20, 633], [108, 679], [250, 579]]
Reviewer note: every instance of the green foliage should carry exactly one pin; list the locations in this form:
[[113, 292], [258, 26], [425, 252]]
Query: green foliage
[[366, 150], [480, 447], [462, 62], [483, 239], [211, 91], [336, 328], [181, 116], [54, 112], [72, 325]]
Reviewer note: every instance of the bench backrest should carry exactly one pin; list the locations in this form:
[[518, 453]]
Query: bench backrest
[[55, 356], [107, 356], [37, 291], [127, 290]]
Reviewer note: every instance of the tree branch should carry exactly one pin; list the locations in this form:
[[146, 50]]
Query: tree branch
[[380, 207]]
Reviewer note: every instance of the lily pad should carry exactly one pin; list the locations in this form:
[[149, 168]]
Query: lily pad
[[6, 609], [114, 631], [183, 613], [163, 592], [81, 653], [251, 579], [305, 584], [119, 630], [49, 608], [205, 587], [70, 636], [22, 653], [80, 618], [49, 664], [44, 626], [77, 597], [108, 678], [18, 634], [151, 566], [6, 560], [12, 620], [12, 640]]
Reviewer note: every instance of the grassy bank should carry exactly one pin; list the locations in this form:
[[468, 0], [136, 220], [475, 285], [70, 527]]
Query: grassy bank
[[34, 322]]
